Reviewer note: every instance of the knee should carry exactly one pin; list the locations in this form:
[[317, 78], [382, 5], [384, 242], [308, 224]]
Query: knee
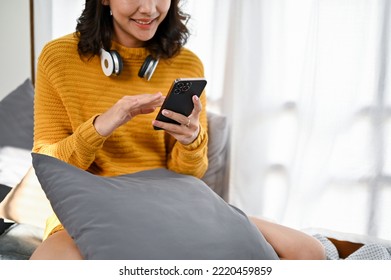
[[59, 246], [313, 250]]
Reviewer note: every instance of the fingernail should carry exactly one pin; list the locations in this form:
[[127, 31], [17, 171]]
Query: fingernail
[[165, 112], [195, 97]]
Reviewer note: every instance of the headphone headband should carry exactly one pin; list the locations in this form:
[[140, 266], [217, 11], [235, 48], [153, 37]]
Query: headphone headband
[[111, 63]]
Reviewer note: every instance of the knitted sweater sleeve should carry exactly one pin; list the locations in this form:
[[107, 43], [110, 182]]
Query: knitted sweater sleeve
[[53, 132], [191, 159]]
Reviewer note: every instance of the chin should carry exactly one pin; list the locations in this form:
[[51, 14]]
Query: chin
[[145, 38]]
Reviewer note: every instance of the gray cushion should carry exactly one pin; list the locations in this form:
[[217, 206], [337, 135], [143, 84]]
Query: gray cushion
[[16, 117], [154, 214], [217, 175]]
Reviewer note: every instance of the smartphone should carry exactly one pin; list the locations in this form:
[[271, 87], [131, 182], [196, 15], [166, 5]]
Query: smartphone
[[179, 98]]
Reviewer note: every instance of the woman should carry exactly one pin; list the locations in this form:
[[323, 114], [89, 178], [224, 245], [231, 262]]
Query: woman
[[104, 124]]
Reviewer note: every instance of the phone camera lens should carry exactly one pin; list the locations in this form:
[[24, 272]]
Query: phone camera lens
[[182, 87], [186, 86]]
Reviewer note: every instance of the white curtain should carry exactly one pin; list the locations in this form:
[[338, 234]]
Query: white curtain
[[305, 84]]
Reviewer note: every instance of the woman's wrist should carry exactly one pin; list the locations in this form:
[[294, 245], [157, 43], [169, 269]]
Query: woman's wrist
[[99, 127]]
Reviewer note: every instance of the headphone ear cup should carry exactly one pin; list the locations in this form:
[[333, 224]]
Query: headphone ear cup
[[118, 64], [106, 62], [111, 62], [148, 68]]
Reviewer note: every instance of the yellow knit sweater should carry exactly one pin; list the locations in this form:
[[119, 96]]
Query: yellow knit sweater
[[70, 92]]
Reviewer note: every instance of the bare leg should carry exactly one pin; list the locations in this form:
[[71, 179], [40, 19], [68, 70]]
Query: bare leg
[[289, 243], [58, 246]]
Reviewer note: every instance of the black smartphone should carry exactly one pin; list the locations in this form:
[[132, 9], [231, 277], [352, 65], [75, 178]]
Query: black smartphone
[[179, 98]]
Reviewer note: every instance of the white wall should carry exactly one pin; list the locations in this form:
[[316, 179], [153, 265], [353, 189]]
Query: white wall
[[15, 44], [54, 19]]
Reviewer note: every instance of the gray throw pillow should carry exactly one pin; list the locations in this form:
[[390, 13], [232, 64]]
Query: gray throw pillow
[[154, 214], [217, 175], [17, 117]]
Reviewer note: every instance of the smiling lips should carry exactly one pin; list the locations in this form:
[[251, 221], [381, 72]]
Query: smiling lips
[[144, 22]]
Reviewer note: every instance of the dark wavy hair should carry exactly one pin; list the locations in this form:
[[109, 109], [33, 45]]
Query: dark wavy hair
[[95, 30]]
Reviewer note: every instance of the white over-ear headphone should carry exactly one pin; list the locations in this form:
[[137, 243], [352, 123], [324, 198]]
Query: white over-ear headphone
[[112, 64]]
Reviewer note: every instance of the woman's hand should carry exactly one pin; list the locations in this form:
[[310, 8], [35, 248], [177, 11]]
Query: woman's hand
[[188, 129], [125, 109]]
